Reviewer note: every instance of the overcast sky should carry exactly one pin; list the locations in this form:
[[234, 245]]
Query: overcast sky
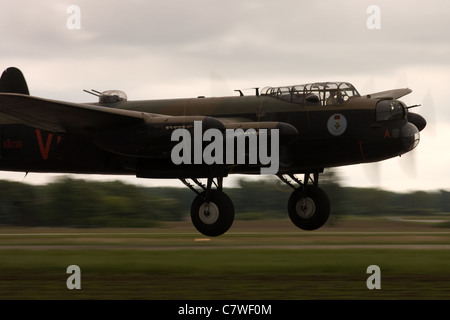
[[177, 49]]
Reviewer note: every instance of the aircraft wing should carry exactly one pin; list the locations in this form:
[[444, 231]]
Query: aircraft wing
[[390, 94], [60, 117], [126, 132]]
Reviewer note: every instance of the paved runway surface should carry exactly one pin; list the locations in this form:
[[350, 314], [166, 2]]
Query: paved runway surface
[[386, 234]]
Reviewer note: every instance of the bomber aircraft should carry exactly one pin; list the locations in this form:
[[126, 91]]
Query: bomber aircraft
[[285, 131]]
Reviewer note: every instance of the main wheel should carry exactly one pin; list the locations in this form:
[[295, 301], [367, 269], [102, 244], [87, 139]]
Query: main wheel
[[215, 217], [311, 210]]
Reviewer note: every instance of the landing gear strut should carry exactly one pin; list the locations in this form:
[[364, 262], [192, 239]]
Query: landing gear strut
[[308, 205], [212, 211]]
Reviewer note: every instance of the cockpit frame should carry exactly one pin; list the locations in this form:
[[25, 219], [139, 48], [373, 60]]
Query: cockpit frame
[[314, 94]]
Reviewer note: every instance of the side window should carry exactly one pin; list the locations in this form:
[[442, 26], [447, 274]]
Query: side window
[[389, 110]]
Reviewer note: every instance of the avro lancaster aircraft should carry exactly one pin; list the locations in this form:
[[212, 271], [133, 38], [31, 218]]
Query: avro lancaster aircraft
[[307, 128]]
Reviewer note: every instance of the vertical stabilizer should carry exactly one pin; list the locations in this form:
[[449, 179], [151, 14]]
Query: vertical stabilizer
[[13, 81]]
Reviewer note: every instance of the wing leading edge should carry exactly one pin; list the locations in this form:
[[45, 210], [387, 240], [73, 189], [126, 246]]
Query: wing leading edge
[[125, 132], [61, 117]]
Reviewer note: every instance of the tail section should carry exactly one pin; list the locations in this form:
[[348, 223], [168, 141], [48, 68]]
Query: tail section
[[13, 81]]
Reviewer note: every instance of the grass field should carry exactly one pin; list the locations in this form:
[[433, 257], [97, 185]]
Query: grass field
[[255, 260]]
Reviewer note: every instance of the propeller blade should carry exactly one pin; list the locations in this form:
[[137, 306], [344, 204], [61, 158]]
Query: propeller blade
[[429, 113], [409, 164], [372, 172]]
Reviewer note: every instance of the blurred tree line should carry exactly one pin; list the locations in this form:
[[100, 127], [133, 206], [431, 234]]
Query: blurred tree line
[[79, 203]]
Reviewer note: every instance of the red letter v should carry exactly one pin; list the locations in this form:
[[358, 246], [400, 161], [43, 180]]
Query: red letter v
[[46, 149]]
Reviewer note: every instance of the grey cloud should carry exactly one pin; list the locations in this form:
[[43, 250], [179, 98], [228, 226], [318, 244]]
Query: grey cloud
[[249, 39], [320, 33]]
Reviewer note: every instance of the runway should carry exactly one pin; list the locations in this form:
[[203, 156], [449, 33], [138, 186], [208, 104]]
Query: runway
[[237, 247], [253, 235]]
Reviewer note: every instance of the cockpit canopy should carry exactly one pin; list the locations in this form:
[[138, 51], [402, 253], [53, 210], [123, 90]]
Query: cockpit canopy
[[314, 94], [111, 96]]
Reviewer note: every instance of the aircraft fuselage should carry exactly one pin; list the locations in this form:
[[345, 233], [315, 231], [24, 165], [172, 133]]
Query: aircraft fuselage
[[318, 145]]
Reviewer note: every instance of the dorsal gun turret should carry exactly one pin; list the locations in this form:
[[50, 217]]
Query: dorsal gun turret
[[112, 96]]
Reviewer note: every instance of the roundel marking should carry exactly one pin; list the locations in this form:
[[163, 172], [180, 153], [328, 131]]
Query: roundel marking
[[337, 124]]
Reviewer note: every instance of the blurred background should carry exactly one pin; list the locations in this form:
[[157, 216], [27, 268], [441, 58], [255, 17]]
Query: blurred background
[[68, 202]]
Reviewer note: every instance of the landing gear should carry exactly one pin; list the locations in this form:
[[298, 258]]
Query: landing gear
[[213, 217], [212, 211], [309, 209], [308, 205]]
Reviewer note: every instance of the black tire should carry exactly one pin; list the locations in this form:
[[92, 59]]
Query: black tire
[[309, 212], [218, 219]]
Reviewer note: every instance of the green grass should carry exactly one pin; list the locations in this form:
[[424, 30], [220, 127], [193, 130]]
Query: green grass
[[255, 260], [225, 274]]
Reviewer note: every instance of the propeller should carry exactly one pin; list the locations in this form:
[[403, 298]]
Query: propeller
[[409, 164], [408, 161], [426, 122], [371, 170], [429, 112]]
